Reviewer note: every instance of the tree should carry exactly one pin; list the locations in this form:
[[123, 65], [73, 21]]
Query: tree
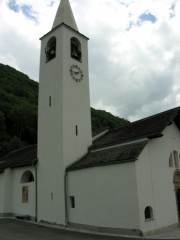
[[23, 115], [2, 123]]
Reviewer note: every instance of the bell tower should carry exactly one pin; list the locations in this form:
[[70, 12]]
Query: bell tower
[[64, 122]]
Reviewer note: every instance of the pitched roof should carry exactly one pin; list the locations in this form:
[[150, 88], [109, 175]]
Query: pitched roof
[[121, 154], [149, 127], [102, 151], [19, 158]]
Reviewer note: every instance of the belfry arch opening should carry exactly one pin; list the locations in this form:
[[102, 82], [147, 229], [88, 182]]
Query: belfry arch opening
[[50, 49], [75, 49], [176, 180]]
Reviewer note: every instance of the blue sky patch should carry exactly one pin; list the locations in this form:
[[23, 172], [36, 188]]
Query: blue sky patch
[[144, 17], [13, 5], [24, 8], [147, 17], [28, 12]]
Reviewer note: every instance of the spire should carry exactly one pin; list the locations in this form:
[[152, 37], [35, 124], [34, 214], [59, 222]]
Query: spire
[[65, 15]]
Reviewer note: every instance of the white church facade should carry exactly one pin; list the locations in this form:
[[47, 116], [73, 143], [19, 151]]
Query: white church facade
[[125, 180]]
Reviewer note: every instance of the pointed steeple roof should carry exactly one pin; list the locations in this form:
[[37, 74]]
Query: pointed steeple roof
[[65, 15]]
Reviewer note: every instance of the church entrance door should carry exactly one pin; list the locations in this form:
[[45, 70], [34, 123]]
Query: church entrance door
[[176, 181], [178, 201]]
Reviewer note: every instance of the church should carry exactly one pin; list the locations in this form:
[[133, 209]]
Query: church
[[121, 181]]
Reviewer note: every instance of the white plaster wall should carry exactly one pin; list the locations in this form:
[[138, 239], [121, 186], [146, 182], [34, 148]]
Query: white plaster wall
[[58, 145], [105, 196], [145, 189], [155, 180], [76, 105], [7, 205], [50, 132], [18, 207], [1, 192]]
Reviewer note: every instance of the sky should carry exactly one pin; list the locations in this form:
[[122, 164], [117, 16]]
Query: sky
[[134, 49]]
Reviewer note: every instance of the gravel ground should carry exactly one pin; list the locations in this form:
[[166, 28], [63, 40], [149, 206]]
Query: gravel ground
[[11, 229]]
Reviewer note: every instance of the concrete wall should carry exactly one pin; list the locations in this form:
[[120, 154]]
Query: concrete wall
[[116, 196], [58, 144], [7, 208], [105, 197], [1, 192], [11, 193], [155, 181], [18, 207]]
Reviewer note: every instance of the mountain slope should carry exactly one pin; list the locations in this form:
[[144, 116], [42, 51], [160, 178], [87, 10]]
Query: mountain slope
[[18, 111]]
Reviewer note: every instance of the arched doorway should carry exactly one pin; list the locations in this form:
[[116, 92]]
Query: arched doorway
[[176, 180]]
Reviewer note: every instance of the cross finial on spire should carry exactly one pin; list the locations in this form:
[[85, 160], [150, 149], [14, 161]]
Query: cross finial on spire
[[65, 15]]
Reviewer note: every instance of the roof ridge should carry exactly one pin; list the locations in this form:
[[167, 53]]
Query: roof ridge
[[150, 127], [156, 114], [146, 118], [17, 150]]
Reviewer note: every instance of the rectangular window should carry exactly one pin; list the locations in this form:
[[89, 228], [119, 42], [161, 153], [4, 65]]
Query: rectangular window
[[25, 193], [72, 201]]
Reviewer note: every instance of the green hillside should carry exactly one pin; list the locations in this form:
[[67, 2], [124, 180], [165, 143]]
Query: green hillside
[[101, 119], [18, 111]]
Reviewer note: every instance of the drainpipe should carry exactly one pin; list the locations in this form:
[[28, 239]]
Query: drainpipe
[[66, 197], [36, 193]]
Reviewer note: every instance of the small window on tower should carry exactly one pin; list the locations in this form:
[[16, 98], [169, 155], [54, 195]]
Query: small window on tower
[[72, 201], [50, 49], [75, 49], [76, 130], [50, 101]]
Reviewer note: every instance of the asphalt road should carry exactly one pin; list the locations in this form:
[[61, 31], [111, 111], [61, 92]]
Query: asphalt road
[[18, 230]]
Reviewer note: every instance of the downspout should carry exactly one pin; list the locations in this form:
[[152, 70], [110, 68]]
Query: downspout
[[66, 197], [36, 192]]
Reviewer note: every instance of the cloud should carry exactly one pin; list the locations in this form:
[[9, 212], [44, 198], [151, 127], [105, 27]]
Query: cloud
[[134, 52], [26, 9]]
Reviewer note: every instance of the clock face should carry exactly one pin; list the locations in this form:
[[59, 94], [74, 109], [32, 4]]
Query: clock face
[[76, 73]]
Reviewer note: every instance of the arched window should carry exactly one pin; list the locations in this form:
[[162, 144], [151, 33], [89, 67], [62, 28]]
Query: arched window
[[171, 160], [75, 49], [50, 49], [27, 177], [176, 159], [148, 213]]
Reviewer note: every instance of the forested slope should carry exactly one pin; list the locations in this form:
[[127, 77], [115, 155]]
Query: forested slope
[[18, 111]]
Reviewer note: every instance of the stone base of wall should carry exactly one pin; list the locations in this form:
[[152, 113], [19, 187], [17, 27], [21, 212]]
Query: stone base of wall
[[17, 216], [161, 230], [106, 230], [6, 215]]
